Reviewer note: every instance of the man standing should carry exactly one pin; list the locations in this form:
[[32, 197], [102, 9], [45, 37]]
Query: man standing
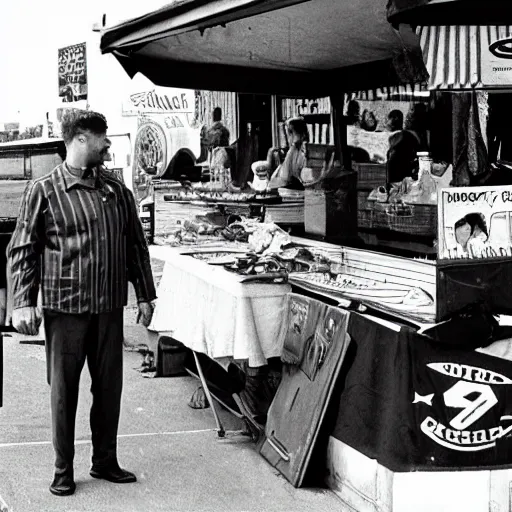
[[79, 237], [217, 135]]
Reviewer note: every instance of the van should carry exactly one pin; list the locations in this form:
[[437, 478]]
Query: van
[[20, 161]]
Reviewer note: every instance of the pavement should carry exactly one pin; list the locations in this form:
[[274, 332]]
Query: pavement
[[180, 462]]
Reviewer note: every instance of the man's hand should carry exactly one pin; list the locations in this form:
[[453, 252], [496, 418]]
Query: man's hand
[[145, 313], [27, 320]]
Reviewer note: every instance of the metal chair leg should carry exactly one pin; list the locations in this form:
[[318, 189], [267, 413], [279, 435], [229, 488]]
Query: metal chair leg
[[220, 429]]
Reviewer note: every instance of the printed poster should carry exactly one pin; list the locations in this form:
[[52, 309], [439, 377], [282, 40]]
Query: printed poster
[[475, 223], [73, 73]]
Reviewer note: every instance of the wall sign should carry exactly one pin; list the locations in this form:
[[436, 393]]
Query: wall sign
[[72, 73], [161, 100], [475, 223]]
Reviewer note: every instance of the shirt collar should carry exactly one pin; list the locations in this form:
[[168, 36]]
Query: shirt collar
[[71, 180]]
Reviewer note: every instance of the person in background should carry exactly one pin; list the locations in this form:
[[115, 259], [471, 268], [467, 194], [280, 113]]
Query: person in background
[[79, 239], [353, 116], [288, 173], [395, 121], [369, 121], [217, 134], [403, 145]]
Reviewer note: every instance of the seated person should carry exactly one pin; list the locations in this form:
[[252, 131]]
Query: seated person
[[404, 145], [288, 173]]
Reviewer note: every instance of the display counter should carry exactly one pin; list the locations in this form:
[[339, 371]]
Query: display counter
[[413, 416]]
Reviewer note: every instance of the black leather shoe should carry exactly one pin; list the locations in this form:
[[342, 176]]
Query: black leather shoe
[[62, 485], [113, 474]]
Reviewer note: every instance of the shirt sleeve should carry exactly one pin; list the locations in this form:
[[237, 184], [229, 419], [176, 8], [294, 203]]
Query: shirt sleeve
[[294, 162], [138, 259], [25, 248]]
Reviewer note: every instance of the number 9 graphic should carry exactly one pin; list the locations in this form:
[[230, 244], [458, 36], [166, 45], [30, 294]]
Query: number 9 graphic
[[472, 408]]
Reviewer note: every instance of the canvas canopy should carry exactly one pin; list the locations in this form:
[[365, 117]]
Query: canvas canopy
[[288, 47], [450, 12]]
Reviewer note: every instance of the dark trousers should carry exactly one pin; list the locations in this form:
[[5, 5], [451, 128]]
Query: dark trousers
[[70, 340]]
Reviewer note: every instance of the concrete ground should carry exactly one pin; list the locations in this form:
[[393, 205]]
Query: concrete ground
[[180, 462]]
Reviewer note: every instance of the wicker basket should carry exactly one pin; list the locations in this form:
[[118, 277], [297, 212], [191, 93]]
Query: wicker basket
[[380, 216], [365, 219], [417, 219]]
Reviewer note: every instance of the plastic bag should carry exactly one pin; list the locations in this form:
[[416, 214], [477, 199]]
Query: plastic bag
[[420, 191]]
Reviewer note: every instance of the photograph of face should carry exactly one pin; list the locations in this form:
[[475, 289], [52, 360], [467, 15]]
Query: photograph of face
[[330, 328], [299, 314], [313, 357], [471, 231]]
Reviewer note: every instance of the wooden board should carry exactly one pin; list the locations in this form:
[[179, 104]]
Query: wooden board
[[296, 414]]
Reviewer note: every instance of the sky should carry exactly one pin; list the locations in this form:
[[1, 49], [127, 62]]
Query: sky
[[32, 31]]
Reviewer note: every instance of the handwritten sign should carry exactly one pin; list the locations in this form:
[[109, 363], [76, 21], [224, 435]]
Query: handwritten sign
[[73, 73], [160, 101], [475, 223]]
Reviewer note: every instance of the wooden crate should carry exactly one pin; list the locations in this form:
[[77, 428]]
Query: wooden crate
[[318, 155], [370, 176]]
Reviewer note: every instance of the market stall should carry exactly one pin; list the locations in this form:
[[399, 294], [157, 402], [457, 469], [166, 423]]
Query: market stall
[[395, 343]]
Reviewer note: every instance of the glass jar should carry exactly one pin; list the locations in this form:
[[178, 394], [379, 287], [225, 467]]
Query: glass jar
[[425, 162]]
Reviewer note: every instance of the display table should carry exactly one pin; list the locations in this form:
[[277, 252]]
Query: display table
[[210, 310]]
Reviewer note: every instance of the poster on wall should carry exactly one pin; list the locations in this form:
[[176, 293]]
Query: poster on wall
[[475, 223], [72, 65]]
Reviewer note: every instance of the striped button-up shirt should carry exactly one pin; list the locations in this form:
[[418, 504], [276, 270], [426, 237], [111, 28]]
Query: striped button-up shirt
[[81, 240]]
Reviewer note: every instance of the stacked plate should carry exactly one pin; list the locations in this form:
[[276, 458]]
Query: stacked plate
[[291, 195]]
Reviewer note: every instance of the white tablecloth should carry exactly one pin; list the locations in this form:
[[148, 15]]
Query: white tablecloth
[[209, 310]]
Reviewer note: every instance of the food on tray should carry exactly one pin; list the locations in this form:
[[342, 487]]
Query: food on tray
[[268, 238], [218, 258], [235, 232], [237, 197], [185, 194]]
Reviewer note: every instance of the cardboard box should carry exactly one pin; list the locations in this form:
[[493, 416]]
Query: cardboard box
[[332, 213]]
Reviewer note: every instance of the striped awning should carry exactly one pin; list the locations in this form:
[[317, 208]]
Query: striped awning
[[467, 57], [404, 92]]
